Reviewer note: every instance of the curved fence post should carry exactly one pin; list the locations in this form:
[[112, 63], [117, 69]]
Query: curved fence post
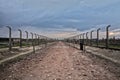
[[26, 37], [10, 37], [33, 43], [98, 36], [91, 37], [20, 37], [86, 38], [107, 36]]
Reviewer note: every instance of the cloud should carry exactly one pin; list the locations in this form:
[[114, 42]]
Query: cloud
[[57, 16], [73, 20], [115, 33]]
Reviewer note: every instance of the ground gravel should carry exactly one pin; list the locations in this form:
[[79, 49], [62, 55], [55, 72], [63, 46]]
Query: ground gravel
[[60, 62]]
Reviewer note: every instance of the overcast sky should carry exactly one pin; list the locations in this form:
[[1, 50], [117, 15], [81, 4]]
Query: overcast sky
[[59, 17]]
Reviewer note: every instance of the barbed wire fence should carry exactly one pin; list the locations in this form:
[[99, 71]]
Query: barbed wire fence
[[105, 37], [11, 38]]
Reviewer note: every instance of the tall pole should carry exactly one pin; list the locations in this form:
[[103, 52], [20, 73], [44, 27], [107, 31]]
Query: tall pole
[[74, 41], [35, 38], [26, 37], [45, 41], [80, 38], [33, 43], [77, 39], [91, 37], [107, 36], [83, 37], [83, 41], [86, 38], [98, 36], [38, 39], [86, 35], [10, 39], [20, 38]]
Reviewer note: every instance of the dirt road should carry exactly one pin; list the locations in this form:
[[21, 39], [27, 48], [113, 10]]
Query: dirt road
[[58, 62]]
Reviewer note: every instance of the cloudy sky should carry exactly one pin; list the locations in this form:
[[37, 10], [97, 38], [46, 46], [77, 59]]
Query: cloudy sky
[[59, 18]]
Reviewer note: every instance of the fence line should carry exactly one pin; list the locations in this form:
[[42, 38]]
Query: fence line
[[97, 41], [20, 40]]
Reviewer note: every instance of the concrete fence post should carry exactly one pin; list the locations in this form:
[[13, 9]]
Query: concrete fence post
[[80, 38], [83, 37], [107, 36], [98, 36], [84, 42], [86, 38], [45, 42], [91, 37], [10, 38], [20, 38], [33, 43], [38, 39], [26, 37], [35, 38]]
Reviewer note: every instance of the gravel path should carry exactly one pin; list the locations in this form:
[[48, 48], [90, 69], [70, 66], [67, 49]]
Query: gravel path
[[58, 62]]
